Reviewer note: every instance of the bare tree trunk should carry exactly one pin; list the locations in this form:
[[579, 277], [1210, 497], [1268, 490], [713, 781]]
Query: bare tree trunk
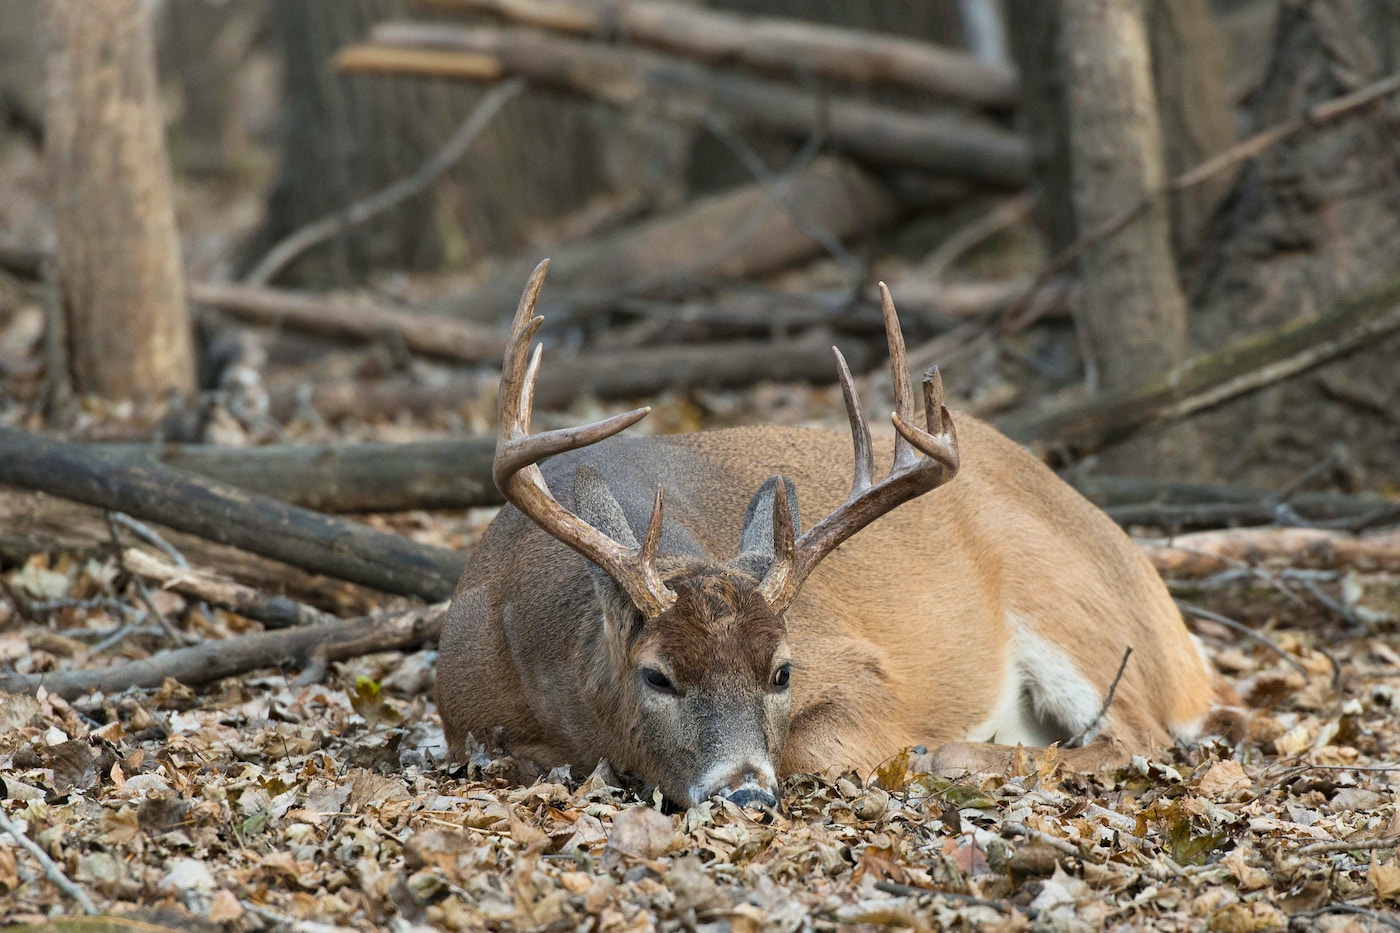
[[1134, 314], [118, 249], [1188, 71], [1193, 108]]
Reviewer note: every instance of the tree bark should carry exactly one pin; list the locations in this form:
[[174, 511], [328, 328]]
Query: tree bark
[[319, 543], [945, 142], [1134, 314], [202, 664], [34, 523], [118, 250], [1188, 73], [749, 231], [789, 46]]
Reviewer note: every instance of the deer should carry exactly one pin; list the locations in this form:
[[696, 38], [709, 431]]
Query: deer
[[656, 603]]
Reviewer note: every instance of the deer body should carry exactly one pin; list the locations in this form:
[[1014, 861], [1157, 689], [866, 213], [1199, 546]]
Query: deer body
[[996, 609]]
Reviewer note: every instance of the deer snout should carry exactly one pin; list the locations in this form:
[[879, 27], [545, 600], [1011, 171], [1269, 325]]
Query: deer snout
[[750, 784]]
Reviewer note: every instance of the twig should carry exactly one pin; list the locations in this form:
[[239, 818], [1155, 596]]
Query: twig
[[1241, 152], [1199, 612], [1341, 845], [51, 868], [1108, 699], [170, 631], [1376, 916], [150, 536], [294, 244], [909, 890], [1064, 847], [938, 262]]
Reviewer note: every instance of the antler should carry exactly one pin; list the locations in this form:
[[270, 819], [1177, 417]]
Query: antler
[[518, 476], [911, 475]]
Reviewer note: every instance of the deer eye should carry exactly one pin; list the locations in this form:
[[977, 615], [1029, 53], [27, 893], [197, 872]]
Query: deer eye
[[657, 680], [782, 676]]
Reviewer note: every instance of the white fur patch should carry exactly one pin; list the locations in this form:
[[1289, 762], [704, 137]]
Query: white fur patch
[[1043, 698]]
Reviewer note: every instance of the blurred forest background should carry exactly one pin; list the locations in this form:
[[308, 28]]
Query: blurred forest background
[[1065, 206]]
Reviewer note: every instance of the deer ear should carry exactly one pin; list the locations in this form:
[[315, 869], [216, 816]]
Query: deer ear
[[595, 504], [756, 541]]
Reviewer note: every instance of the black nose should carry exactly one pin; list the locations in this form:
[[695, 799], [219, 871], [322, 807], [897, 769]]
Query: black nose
[[755, 797]]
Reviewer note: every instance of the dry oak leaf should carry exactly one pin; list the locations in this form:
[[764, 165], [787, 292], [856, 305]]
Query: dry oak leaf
[[1224, 779], [643, 832], [1385, 879]]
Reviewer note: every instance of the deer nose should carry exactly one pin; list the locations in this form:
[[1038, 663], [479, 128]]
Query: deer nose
[[751, 795]]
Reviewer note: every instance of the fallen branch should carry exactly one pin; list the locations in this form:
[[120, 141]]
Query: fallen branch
[[34, 523], [215, 588], [1192, 611], [739, 234], [1208, 379], [947, 143], [782, 45], [351, 318], [1206, 552], [202, 664], [287, 249], [52, 870], [152, 491]]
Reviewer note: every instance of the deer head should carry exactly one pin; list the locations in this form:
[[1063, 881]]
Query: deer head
[[697, 671]]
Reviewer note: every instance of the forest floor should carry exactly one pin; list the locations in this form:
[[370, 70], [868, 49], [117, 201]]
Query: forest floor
[[266, 802]]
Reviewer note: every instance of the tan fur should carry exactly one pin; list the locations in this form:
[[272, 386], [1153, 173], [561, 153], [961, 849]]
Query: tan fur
[[899, 638]]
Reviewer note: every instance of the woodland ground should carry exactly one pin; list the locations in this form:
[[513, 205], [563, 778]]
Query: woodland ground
[[265, 802]]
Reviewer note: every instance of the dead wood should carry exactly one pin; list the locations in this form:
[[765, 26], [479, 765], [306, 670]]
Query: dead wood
[[746, 232], [610, 374], [344, 477], [34, 523], [353, 319], [1211, 378], [23, 260], [202, 664], [781, 45], [150, 490], [1206, 552], [221, 591], [944, 142], [1131, 500]]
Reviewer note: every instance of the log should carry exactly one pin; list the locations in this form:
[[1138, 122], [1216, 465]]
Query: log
[[1131, 500], [151, 491], [739, 234], [786, 46], [1354, 323], [210, 587], [34, 523], [227, 657], [343, 477], [612, 374], [1207, 552], [944, 141], [352, 319]]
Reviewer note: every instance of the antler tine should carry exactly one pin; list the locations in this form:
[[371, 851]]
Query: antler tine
[[910, 476], [518, 477], [860, 431], [652, 540], [904, 455]]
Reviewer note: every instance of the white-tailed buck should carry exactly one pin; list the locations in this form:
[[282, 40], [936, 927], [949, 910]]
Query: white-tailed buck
[[712, 646]]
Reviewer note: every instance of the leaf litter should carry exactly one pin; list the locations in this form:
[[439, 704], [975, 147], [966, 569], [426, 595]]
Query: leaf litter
[[263, 803]]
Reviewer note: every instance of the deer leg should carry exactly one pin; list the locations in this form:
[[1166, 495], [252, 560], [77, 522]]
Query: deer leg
[[962, 759]]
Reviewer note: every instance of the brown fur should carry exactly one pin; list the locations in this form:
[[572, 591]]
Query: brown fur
[[899, 638]]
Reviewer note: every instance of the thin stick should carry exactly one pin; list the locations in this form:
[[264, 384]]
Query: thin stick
[[294, 244], [51, 869], [150, 536], [1241, 152], [1384, 918], [962, 240], [1199, 612], [1064, 847], [909, 890], [171, 632], [1341, 845], [1108, 699]]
